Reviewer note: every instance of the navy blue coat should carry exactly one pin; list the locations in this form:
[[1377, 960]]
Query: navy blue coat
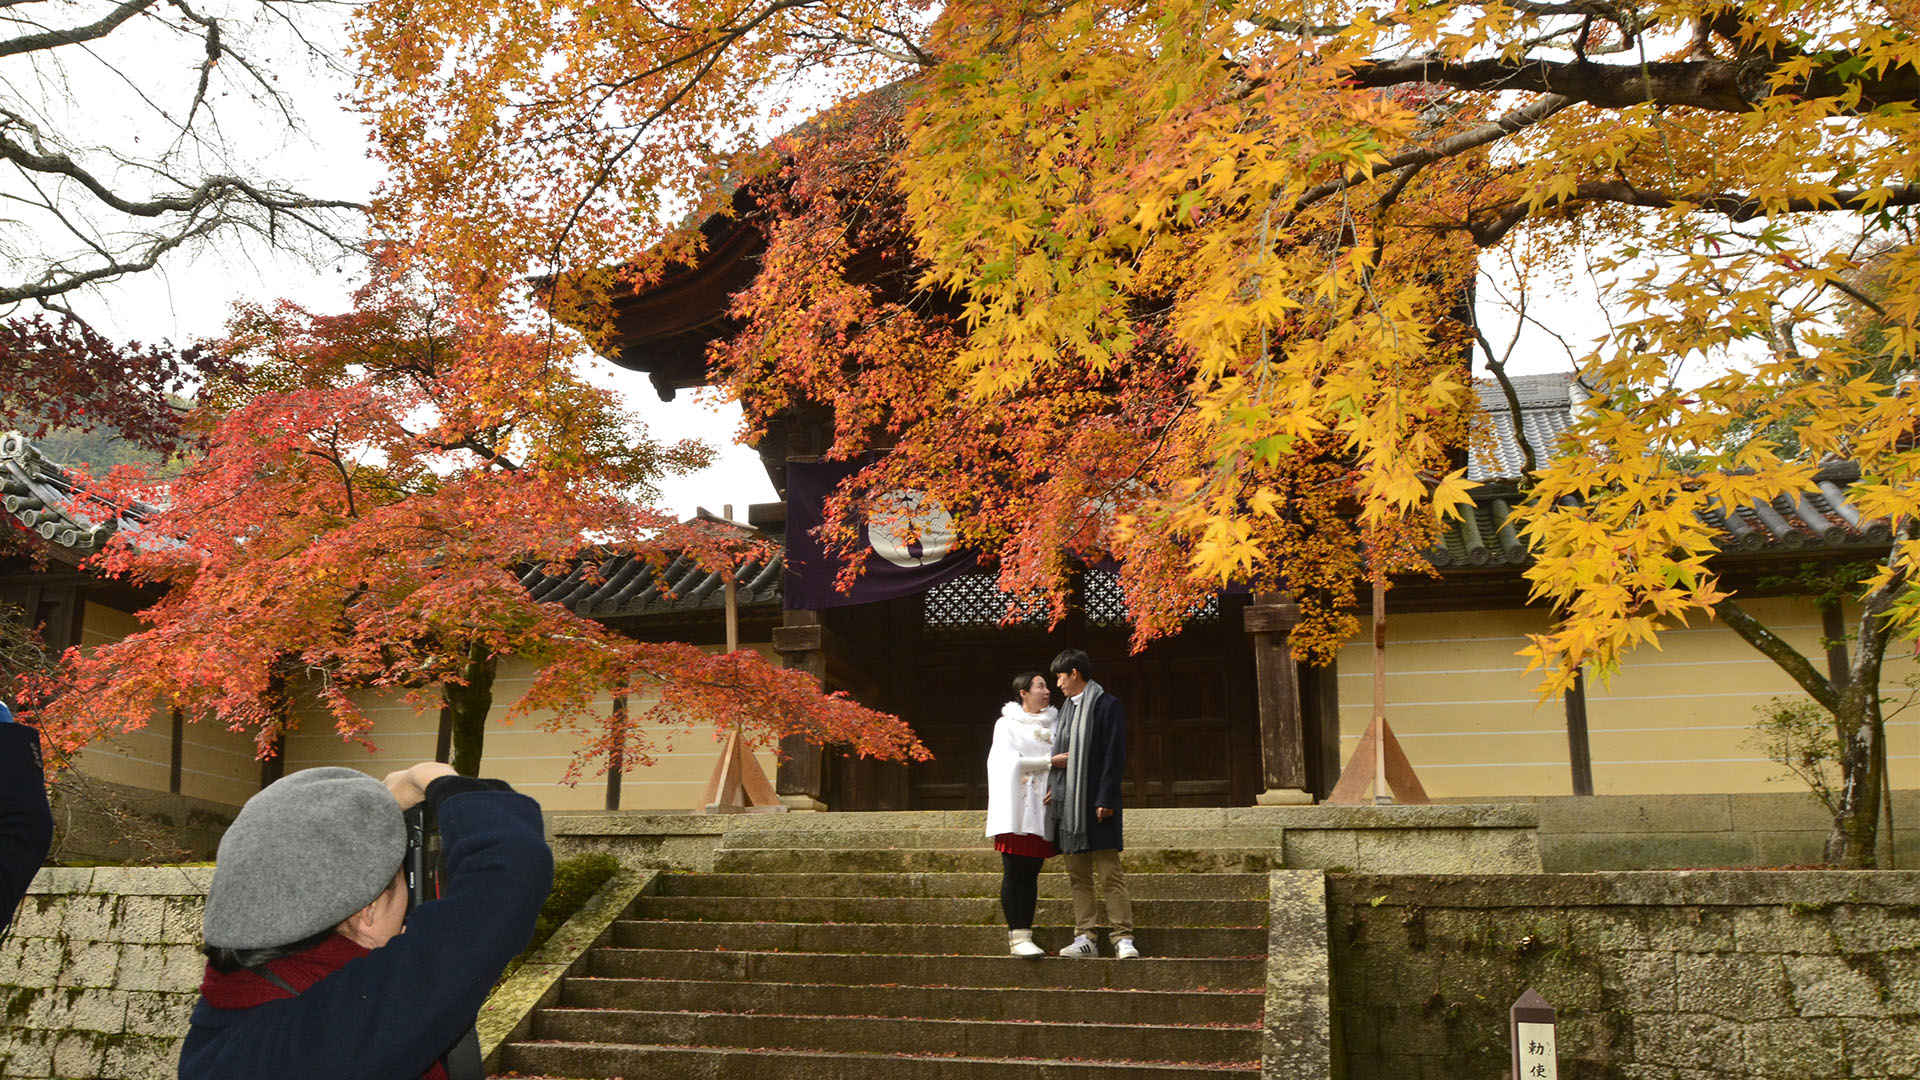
[[26, 824], [392, 1013], [1102, 736]]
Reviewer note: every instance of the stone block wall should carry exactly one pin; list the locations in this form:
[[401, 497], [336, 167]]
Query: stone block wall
[[1656, 976], [99, 972], [1655, 832], [105, 822]]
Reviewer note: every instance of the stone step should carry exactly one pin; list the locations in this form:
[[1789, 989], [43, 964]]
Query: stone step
[[1053, 883], [953, 1002], [690, 1063], [929, 911], [1137, 839], [979, 860], [996, 970], [1029, 1038], [907, 938]]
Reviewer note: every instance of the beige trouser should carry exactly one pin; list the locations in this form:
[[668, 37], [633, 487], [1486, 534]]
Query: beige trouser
[[1082, 868]]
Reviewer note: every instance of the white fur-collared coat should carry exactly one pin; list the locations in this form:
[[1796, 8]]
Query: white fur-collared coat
[[1017, 770]]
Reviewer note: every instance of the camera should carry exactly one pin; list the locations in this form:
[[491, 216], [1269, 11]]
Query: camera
[[422, 864]]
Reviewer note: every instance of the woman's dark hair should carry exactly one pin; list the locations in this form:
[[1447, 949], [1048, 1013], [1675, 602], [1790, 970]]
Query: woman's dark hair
[[1024, 680], [227, 961], [1073, 660]]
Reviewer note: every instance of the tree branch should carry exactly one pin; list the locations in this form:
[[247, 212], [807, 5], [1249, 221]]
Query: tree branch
[[1489, 229], [53, 39], [1775, 648], [1716, 85], [1453, 145]]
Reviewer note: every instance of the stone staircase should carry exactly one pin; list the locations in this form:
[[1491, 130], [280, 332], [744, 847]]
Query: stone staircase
[[875, 953]]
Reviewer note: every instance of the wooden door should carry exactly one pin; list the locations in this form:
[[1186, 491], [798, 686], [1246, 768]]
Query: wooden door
[[1191, 727]]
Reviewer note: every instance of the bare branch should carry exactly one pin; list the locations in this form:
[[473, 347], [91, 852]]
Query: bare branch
[[53, 39], [1489, 227]]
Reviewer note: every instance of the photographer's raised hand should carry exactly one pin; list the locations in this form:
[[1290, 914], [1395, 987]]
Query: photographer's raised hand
[[409, 785]]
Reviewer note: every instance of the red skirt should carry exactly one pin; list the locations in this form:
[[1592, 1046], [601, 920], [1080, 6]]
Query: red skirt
[[1019, 843]]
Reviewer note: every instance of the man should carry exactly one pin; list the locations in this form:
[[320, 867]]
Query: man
[[26, 823], [315, 969], [1083, 808]]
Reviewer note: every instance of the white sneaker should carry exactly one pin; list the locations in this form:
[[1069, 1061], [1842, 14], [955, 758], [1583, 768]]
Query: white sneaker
[[1081, 949], [1020, 943], [1123, 950]]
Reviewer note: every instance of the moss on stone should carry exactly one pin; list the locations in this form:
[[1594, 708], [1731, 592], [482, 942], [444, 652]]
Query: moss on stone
[[20, 1001]]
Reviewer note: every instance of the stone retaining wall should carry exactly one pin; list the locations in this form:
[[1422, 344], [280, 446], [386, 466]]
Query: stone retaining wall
[[99, 972], [94, 820], [1657, 976], [1657, 832]]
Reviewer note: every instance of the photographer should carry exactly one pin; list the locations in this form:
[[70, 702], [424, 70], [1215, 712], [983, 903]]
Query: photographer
[[316, 969], [26, 824]]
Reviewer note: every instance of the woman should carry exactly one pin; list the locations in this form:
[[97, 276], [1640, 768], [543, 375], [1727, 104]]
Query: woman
[[1016, 792]]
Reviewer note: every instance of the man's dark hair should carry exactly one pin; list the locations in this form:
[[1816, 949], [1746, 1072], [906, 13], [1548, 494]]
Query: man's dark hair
[[1024, 680], [231, 960], [1072, 660]]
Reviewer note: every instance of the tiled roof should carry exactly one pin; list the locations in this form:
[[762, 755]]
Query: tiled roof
[[1819, 519], [1546, 410], [44, 497], [626, 585]]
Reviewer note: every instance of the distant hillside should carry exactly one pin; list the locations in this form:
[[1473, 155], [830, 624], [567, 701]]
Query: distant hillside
[[99, 450]]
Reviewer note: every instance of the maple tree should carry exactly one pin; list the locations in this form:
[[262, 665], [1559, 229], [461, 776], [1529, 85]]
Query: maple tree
[[1180, 278], [366, 501], [57, 372]]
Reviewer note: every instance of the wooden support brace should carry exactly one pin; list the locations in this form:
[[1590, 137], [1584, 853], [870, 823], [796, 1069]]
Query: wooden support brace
[[738, 783], [1378, 753]]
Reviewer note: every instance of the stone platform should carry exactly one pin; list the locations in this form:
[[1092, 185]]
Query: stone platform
[[1452, 838]]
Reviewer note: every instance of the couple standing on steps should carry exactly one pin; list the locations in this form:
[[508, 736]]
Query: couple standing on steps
[[1053, 787]]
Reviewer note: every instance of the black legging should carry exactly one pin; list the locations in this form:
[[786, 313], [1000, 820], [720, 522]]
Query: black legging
[[1019, 889]]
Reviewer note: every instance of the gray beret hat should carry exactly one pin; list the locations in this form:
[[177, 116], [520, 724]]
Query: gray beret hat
[[309, 850]]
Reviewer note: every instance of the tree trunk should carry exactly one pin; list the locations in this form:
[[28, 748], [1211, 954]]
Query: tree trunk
[[1856, 813], [468, 705], [1854, 702]]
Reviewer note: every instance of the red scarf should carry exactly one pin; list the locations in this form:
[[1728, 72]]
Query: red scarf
[[244, 989]]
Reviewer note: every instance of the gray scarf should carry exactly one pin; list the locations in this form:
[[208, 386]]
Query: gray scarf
[[1071, 811]]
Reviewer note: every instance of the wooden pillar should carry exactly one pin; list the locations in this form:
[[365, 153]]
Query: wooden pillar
[[177, 739], [1320, 717], [275, 766], [801, 643], [443, 742], [617, 757], [1269, 620], [1833, 629], [1579, 752], [63, 617]]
